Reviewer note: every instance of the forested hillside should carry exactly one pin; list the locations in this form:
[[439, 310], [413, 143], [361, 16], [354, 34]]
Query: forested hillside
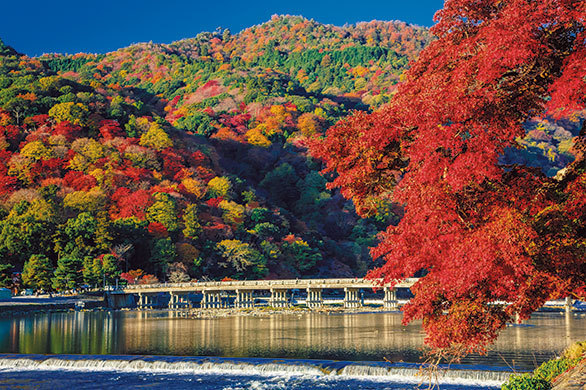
[[189, 160]]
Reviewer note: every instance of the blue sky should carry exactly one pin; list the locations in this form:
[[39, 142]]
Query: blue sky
[[64, 26]]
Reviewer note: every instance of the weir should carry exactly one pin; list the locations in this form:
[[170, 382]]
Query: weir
[[399, 372]]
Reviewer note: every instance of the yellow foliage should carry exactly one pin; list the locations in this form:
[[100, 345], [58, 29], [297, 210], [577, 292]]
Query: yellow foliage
[[219, 186], [99, 174], [278, 110], [320, 112], [156, 138], [36, 150], [57, 140], [359, 71], [75, 113], [143, 124], [92, 200], [257, 138], [301, 76], [5, 118], [19, 166], [194, 186], [360, 83], [308, 124], [47, 82], [79, 163], [95, 84], [232, 212], [3, 143], [93, 150]]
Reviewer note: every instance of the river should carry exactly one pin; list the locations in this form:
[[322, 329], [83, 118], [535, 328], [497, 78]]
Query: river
[[376, 350]]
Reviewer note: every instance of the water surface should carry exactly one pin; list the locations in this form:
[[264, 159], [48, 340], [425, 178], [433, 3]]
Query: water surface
[[358, 337]]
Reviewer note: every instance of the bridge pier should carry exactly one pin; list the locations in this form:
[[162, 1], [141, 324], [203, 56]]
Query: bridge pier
[[390, 300], [145, 301], [278, 298], [351, 297], [244, 298], [568, 304], [212, 299], [173, 301], [177, 301], [314, 298]]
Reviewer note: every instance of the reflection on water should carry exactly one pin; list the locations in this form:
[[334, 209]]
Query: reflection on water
[[372, 336]]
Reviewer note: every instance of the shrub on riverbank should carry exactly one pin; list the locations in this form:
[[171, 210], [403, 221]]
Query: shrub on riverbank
[[544, 374], [526, 382]]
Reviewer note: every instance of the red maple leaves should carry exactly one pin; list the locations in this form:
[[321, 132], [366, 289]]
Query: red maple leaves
[[483, 233]]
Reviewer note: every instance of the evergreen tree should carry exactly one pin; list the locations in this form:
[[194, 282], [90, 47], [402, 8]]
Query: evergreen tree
[[37, 273], [68, 274]]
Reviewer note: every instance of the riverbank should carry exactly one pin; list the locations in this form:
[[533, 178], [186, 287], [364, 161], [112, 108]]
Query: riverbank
[[265, 311], [566, 372], [573, 379], [45, 303]]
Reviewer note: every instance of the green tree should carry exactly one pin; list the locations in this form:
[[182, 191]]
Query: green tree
[[77, 237], [27, 230], [281, 184], [110, 268], [92, 271], [300, 255], [37, 273], [162, 253], [5, 275], [68, 274]]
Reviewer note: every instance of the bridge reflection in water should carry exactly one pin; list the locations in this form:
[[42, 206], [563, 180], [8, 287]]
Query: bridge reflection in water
[[314, 335]]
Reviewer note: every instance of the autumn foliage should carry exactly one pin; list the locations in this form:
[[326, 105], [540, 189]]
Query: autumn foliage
[[480, 232]]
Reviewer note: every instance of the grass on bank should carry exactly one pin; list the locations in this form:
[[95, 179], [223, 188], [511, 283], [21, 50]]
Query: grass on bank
[[543, 376]]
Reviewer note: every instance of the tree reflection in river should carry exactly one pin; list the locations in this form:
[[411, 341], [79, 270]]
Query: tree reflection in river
[[367, 336]]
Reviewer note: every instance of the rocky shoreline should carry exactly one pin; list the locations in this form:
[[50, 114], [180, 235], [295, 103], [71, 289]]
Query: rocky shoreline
[[268, 311]]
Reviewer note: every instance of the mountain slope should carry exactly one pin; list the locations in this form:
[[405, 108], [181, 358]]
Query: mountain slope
[[188, 160]]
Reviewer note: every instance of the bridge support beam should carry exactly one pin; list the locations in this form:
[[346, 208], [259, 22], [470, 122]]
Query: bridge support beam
[[314, 298], [278, 298], [244, 299], [390, 300], [145, 301], [351, 297], [173, 301], [211, 299], [178, 301]]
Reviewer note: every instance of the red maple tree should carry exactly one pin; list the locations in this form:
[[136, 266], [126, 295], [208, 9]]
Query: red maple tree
[[481, 232]]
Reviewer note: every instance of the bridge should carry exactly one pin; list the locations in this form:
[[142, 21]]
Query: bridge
[[220, 294]]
